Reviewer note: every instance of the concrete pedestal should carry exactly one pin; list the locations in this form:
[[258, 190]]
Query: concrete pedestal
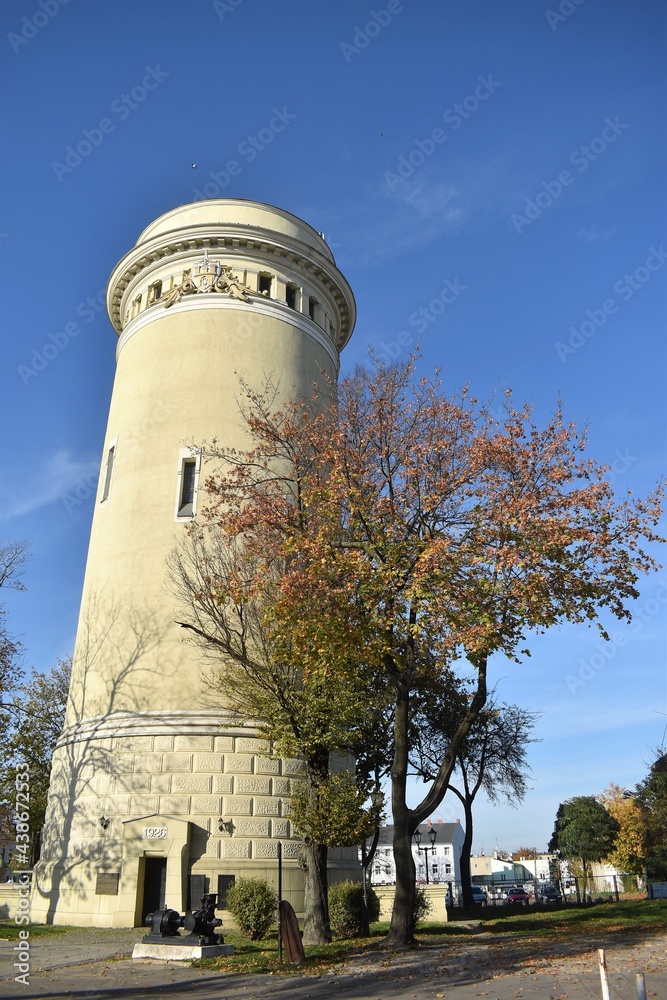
[[180, 953]]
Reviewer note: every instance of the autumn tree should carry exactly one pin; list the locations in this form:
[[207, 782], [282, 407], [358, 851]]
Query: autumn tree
[[37, 723], [525, 852], [414, 535], [584, 830], [630, 847], [228, 582]]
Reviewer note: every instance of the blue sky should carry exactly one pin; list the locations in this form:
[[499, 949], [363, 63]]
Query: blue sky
[[491, 179]]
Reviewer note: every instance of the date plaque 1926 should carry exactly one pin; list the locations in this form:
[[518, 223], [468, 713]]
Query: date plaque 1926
[[154, 833]]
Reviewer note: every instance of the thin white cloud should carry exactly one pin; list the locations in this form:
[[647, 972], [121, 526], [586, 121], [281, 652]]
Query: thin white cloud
[[592, 234], [417, 212], [59, 474], [430, 197]]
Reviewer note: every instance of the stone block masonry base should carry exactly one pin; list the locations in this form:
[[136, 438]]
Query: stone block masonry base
[[184, 813]]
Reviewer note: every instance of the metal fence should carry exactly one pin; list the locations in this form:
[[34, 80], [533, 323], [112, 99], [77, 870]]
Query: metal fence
[[573, 890]]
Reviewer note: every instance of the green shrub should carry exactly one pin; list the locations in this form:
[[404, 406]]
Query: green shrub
[[254, 905], [345, 908], [422, 905]]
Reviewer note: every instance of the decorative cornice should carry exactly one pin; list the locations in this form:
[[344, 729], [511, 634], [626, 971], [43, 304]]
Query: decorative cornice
[[233, 241]]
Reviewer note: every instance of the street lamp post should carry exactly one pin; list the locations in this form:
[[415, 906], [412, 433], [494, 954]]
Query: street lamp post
[[365, 922], [432, 834]]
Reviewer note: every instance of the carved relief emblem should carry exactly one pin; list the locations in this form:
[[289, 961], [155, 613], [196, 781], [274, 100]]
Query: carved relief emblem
[[206, 273], [209, 276]]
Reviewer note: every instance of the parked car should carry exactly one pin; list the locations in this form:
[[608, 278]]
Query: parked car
[[501, 891], [518, 897], [549, 894], [479, 896]]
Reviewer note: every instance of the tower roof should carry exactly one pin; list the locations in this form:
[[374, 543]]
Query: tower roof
[[234, 230], [236, 211]]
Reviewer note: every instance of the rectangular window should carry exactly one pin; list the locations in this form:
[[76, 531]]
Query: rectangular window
[[264, 284], [290, 296], [225, 882], [187, 498], [136, 306], [108, 473], [448, 868], [312, 308], [189, 464], [154, 292], [197, 887]]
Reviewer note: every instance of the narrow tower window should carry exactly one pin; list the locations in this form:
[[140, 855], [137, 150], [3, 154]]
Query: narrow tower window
[[136, 306], [290, 296], [188, 481], [188, 474], [154, 292], [312, 308], [264, 284], [108, 472]]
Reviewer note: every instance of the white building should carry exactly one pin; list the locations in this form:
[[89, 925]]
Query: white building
[[535, 867], [443, 858], [496, 870]]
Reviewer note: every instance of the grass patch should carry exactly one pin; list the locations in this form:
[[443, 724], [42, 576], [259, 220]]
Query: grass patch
[[262, 956], [565, 923], [449, 928], [636, 916], [9, 930]]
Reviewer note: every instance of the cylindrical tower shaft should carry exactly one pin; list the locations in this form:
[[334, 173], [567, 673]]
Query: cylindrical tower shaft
[[155, 793]]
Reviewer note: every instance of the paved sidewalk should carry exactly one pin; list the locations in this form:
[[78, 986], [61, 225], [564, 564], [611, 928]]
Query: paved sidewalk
[[70, 948], [441, 969]]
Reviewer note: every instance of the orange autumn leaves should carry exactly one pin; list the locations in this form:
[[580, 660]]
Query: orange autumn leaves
[[401, 514]]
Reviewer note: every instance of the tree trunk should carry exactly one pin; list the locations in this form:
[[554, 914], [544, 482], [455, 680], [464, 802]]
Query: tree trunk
[[316, 929], [35, 848], [401, 930], [465, 856]]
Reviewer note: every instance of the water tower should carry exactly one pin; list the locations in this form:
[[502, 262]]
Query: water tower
[[156, 795]]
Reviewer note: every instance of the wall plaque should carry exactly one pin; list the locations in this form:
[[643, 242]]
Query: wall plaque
[[107, 883], [154, 833]]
